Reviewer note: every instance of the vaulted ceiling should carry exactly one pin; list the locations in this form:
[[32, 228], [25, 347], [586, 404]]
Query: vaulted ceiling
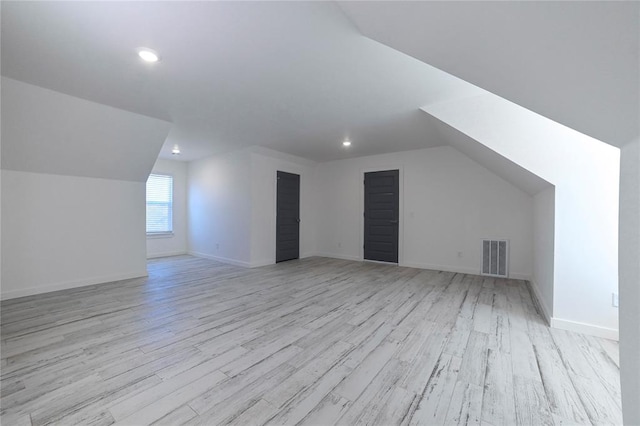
[[575, 62], [299, 77]]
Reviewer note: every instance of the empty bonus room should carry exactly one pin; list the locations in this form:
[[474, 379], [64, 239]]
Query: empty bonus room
[[319, 213]]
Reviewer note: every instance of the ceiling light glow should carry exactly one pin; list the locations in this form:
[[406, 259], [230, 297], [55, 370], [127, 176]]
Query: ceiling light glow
[[148, 55], [347, 142], [175, 150]]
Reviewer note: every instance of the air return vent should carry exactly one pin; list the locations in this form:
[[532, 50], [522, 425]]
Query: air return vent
[[495, 258]]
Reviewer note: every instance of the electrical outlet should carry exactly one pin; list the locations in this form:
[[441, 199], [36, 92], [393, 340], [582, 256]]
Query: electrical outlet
[[217, 246], [459, 254], [615, 300]]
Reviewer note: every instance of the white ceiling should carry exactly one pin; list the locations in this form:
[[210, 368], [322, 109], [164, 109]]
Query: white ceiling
[[293, 77], [299, 77], [483, 155], [577, 63], [44, 131]]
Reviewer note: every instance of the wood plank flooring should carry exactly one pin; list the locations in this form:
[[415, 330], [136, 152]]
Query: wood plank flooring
[[315, 341]]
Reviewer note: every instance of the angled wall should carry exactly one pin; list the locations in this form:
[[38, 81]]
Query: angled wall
[[49, 132], [543, 194], [585, 173], [73, 190]]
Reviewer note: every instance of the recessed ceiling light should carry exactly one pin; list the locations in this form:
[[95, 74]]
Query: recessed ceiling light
[[148, 55], [175, 150], [346, 142]]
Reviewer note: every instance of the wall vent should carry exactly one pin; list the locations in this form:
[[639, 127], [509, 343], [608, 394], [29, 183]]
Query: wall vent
[[495, 258]]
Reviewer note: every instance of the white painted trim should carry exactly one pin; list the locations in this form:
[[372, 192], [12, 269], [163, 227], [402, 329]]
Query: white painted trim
[[166, 234], [443, 268], [267, 262], [256, 264], [220, 259], [260, 263], [157, 235], [165, 254], [519, 276], [381, 262], [339, 256], [12, 294], [540, 300], [433, 267], [580, 327]]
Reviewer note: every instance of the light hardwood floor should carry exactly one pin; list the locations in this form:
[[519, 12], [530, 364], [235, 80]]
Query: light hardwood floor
[[315, 341]]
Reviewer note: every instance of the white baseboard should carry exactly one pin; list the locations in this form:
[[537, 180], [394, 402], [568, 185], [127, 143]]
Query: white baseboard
[[165, 254], [520, 276], [580, 327], [419, 265], [221, 259], [563, 324], [444, 268], [546, 311], [339, 256], [12, 294], [260, 263], [256, 264]]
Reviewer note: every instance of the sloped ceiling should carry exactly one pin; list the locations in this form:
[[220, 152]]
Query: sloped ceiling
[[577, 63], [48, 132], [299, 77], [296, 77], [481, 154]]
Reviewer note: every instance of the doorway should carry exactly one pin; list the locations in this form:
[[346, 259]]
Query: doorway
[[381, 215], [287, 216]]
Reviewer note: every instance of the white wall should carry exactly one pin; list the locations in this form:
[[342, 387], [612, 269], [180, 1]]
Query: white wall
[[0, 213], [448, 204], [1, 197], [585, 173], [73, 175], [44, 131], [172, 245], [265, 164], [64, 231], [232, 210], [543, 248], [219, 208], [630, 282]]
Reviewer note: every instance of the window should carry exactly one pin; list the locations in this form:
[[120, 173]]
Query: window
[[159, 204]]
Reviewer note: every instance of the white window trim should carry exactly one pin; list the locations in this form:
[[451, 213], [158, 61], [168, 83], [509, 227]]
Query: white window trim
[[152, 235], [167, 234]]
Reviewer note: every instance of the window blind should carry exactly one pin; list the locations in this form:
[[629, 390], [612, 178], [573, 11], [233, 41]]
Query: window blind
[[159, 204]]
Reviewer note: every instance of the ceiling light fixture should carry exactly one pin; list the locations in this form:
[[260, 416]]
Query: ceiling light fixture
[[148, 55], [175, 150], [346, 143]]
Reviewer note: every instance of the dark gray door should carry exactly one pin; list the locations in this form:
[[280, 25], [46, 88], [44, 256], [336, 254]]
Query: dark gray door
[[381, 211], [288, 217]]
